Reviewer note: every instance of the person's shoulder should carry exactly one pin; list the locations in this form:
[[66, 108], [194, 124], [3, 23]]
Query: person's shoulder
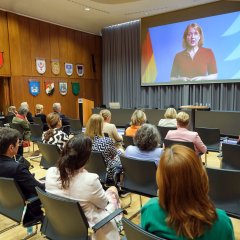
[[153, 204], [222, 215], [206, 50]]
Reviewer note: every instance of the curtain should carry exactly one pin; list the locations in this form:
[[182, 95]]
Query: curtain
[[122, 78]]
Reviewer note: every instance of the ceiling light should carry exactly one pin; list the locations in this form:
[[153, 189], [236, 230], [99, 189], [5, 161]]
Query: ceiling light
[[87, 9]]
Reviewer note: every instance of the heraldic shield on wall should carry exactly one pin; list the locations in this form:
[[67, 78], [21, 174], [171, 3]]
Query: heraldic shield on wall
[[69, 69], [63, 88], [55, 64], [75, 88], [41, 65], [49, 86], [80, 70], [34, 87]]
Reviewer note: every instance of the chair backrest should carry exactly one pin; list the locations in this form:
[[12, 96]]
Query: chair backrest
[[139, 176], [168, 143], [64, 218], [230, 154], [134, 231], [75, 126], [11, 199], [225, 190], [8, 118], [19, 128], [163, 131], [38, 121], [50, 154], [210, 137], [96, 164], [36, 132], [127, 140]]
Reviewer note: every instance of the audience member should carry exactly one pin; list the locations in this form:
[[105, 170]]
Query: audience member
[[65, 121], [9, 168], [183, 209], [146, 140], [94, 130], [169, 118], [70, 180], [110, 128], [183, 134], [40, 114], [12, 111], [138, 118], [29, 114], [54, 135], [21, 119]]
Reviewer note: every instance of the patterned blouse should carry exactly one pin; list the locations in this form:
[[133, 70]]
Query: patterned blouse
[[59, 138], [110, 154]]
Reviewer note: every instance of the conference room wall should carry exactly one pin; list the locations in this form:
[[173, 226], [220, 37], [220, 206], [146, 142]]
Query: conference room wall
[[26, 39]]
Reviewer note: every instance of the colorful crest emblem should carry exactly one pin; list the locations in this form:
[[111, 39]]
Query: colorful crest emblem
[[80, 70], [69, 69], [1, 59], [63, 88], [49, 86], [34, 87], [55, 67], [75, 88], [41, 65]]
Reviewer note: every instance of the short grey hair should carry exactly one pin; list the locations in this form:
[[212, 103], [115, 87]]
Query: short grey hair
[[147, 137], [23, 110], [56, 107], [24, 104]]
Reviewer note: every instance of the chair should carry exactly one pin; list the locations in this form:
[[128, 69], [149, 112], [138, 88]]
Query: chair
[[139, 176], [210, 137], [230, 156], [163, 131], [168, 143], [19, 128], [50, 154], [9, 118], [65, 219], [36, 133], [133, 231], [75, 126], [12, 202], [127, 140], [38, 120], [225, 190]]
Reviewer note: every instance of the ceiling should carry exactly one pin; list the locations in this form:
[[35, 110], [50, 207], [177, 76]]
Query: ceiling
[[99, 13]]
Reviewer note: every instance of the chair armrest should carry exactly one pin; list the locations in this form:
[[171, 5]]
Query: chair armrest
[[32, 199], [107, 219]]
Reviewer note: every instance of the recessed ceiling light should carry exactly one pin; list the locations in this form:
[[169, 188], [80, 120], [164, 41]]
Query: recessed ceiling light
[[87, 9]]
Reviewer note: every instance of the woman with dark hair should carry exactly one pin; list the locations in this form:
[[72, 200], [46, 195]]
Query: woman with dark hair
[[70, 180], [146, 140], [54, 135], [183, 209]]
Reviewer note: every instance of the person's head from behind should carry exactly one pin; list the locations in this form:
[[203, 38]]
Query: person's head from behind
[[39, 108], [183, 192], [170, 113], [106, 114], [147, 137], [182, 119], [94, 126], [57, 107], [74, 156], [53, 120], [24, 104], [12, 109], [23, 111], [138, 118], [9, 141], [193, 36]]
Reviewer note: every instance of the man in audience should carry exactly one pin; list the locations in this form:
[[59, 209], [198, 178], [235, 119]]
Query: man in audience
[[29, 114], [65, 122], [9, 168]]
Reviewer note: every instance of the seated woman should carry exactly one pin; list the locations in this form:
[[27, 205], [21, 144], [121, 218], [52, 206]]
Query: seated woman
[[40, 114], [94, 130], [183, 209], [70, 180], [138, 118], [170, 118], [183, 134], [110, 128], [12, 111], [54, 135], [146, 142]]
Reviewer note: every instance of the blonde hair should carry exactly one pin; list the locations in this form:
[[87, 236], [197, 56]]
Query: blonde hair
[[138, 118], [52, 120], [183, 192], [94, 126], [105, 113], [12, 109], [170, 113], [39, 108], [182, 119]]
